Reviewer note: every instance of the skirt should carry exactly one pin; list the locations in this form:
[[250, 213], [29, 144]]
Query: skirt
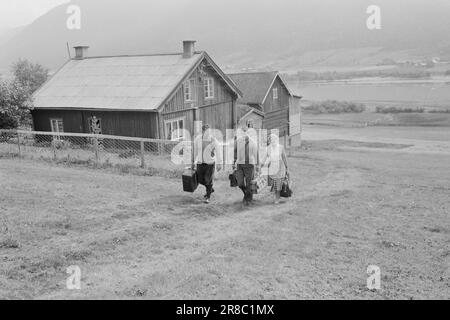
[[277, 184]]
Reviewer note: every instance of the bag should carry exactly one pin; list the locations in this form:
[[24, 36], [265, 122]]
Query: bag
[[254, 187], [286, 191], [190, 182], [233, 180], [261, 182]]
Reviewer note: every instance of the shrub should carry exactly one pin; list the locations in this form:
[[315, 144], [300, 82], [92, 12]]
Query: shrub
[[399, 110], [333, 106], [9, 243], [129, 153], [439, 111], [61, 144]]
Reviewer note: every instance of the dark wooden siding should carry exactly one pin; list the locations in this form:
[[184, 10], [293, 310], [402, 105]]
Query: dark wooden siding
[[278, 119], [277, 110], [283, 98], [130, 124], [218, 116], [218, 112]]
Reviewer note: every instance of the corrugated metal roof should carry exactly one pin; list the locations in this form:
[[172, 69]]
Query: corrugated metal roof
[[254, 86], [115, 83]]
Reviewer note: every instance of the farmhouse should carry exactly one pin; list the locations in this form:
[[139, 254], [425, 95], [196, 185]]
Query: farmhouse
[[147, 96], [267, 102]]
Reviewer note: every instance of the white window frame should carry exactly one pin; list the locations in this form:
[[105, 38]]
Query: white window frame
[[59, 128], [189, 96], [90, 125], [275, 93], [208, 87], [171, 122]]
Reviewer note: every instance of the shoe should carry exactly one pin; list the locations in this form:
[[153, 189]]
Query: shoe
[[206, 200]]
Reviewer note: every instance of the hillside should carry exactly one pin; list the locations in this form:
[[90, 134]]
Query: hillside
[[283, 34]]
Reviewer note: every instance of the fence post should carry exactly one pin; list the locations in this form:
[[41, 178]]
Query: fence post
[[160, 148], [18, 144], [53, 147], [290, 146], [96, 150], [142, 154]]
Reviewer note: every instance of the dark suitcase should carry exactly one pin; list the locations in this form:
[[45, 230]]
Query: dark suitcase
[[233, 180], [190, 182]]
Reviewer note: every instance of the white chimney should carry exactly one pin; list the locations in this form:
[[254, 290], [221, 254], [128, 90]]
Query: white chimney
[[188, 48], [81, 52]]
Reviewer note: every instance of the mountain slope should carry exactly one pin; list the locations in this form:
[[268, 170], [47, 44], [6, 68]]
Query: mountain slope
[[275, 33]]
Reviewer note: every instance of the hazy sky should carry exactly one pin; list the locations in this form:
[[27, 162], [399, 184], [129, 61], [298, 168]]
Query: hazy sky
[[16, 13]]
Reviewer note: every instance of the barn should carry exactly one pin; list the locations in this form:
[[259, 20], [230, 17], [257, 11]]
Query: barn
[[146, 96], [271, 100]]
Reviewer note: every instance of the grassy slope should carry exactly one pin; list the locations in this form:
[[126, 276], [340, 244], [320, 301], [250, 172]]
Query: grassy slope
[[142, 237]]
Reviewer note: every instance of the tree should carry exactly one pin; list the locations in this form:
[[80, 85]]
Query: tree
[[31, 76], [15, 104], [15, 95]]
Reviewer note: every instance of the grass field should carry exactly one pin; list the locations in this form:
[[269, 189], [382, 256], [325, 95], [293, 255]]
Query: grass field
[[356, 203]]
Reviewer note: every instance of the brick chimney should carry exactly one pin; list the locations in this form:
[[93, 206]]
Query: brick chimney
[[81, 52], [188, 48]]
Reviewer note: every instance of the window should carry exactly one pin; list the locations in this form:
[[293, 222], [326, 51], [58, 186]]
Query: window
[[189, 90], [174, 129], [208, 86], [95, 125], [275, 93], [57, 125]]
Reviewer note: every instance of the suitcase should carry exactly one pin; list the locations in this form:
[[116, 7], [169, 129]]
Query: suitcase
[[190, 182], [233, 180]]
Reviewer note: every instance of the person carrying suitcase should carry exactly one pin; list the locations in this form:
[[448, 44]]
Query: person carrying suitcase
[[208, 152]]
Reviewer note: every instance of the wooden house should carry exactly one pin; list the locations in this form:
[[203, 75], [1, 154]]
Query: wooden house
[[147, 96], [270, 98]]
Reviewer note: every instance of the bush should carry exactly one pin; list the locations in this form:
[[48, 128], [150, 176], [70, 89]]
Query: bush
[[61, 144], [399, 110], [333, 106], [439, 111], [129, 153]]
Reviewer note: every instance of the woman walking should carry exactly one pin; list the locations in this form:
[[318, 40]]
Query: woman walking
[[276, 165]]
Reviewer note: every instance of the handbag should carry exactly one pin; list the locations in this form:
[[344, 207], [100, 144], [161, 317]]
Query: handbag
[[261, 182], [286, 191]]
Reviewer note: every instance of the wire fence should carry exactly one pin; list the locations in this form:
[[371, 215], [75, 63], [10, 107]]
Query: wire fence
[[85, 148], [101, 150]]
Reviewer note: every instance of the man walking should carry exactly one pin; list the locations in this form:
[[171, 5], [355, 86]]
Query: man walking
[[208, 150], [245, 157]]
